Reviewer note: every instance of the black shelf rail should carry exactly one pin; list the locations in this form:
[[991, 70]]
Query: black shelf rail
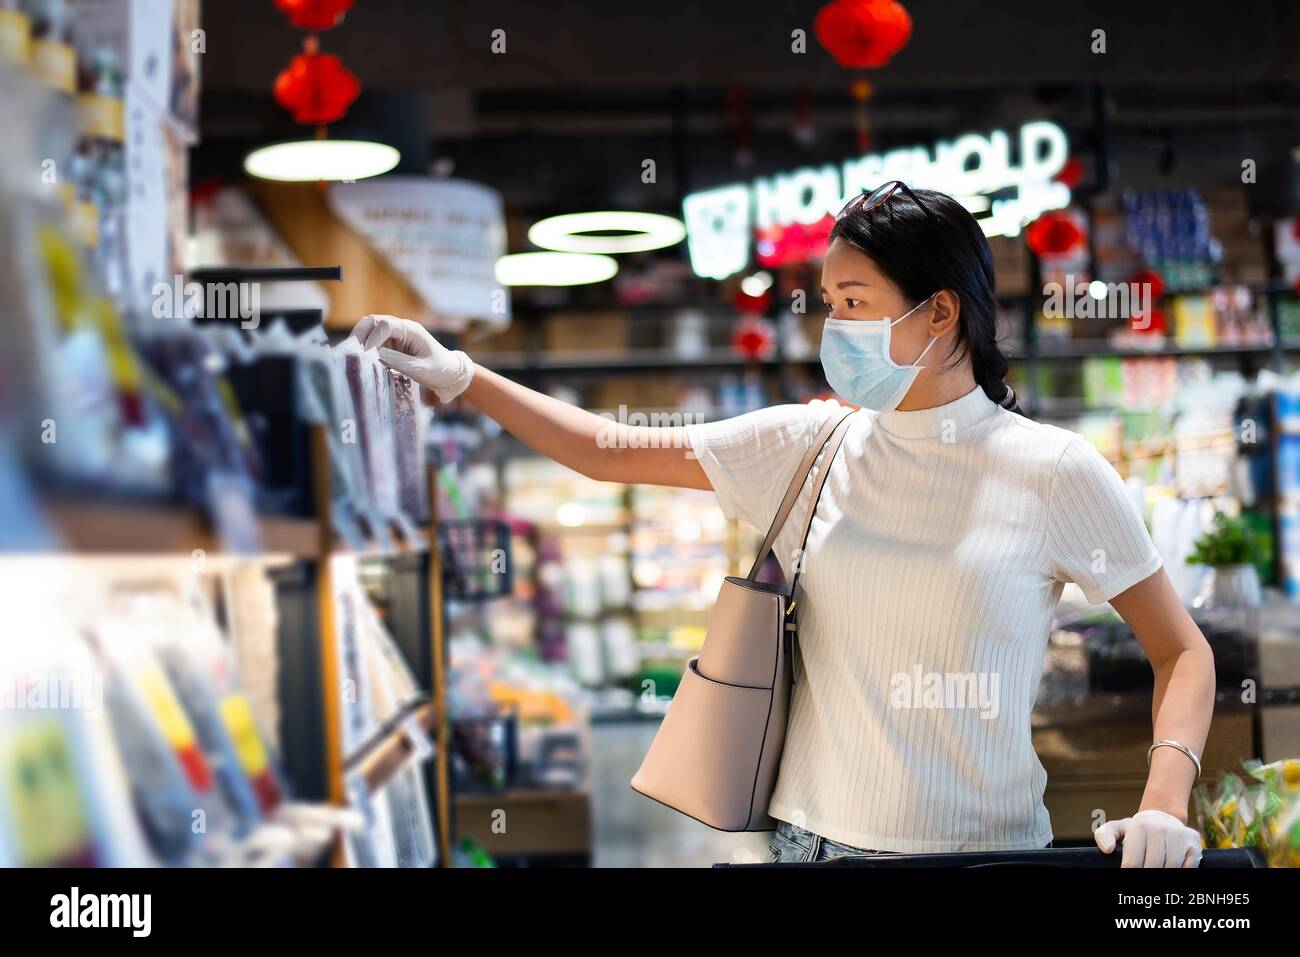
[[223, 274]]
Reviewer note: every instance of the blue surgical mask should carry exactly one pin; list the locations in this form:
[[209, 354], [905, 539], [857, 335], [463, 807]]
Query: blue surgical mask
[[858, 366]]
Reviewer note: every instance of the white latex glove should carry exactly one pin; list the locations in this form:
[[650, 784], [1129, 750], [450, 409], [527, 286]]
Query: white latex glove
[[1151, 839], [409, 348]]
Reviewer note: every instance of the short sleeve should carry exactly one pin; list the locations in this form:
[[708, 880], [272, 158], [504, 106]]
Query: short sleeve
[[751, 458], [1096, 536]]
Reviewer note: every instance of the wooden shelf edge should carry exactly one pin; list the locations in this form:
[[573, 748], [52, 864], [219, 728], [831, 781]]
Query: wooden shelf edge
[[102, 528]]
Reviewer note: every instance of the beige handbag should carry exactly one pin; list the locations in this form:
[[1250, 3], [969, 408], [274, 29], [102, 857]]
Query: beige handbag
[[716, 754]]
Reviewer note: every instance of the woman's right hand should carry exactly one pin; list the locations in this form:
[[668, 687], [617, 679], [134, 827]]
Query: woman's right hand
[[594, 445], [411, 349]]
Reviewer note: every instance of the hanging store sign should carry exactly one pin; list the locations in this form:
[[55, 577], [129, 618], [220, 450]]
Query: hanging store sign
[[978, 170], [443, 235]]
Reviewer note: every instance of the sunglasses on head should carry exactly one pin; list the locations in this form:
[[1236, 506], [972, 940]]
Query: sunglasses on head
[[866, 201]]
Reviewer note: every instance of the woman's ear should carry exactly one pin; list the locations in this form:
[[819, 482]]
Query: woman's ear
[[946, 313]]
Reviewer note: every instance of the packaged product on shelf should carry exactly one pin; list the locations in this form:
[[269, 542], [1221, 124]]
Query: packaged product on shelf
[[408, 437], [359, 718], [15, 33], [324, 399], [102, 170], [183, 96], [582, 640], [171, 776], [216, 463], [408, 813], [397, 831], [1285, 848], [1194, 324], [198, 663], [368, 385], [583, 592], [1262, 811], [53, 59], [138, 35], [393, 687], [621, 653], [372, 845], [384, 446], [70, 364], [1222, 824], [248, 594], [64, 795]]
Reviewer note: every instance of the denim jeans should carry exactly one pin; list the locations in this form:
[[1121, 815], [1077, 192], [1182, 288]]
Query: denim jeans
[[793, 844]]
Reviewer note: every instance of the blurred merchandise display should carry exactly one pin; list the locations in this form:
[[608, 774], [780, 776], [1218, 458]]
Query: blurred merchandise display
[[126, 738], [1260, 808]]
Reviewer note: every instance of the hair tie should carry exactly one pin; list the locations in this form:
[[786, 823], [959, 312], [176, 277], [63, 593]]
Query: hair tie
[[1009, 400]]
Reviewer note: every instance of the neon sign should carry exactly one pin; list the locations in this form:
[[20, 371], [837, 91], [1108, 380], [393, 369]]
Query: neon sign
[[975, 169]]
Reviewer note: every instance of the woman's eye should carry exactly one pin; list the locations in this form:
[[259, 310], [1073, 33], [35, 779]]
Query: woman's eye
[[852, 303]]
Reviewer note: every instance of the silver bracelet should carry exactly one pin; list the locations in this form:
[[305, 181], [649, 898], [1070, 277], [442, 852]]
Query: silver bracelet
[[1171, 743]]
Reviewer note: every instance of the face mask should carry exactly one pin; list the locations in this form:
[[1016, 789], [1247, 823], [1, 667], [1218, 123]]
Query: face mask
[[858, 366]]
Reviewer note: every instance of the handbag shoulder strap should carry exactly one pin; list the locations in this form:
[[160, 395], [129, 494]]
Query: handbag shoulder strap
[[832, 446], [833, 422]]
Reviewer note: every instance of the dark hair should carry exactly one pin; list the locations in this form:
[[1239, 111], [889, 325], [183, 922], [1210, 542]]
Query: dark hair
[[922, 254]]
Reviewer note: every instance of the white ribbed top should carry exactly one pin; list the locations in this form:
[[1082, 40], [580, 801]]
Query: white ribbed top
[[934, 564]]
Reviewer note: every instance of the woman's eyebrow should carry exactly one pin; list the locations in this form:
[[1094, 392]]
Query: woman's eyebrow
[[846, 283]]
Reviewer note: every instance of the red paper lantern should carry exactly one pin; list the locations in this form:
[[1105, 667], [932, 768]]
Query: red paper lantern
[[314, 14], [1141, 324], [1054, 234], [863, 34], [316, 88], [1149, 277], [754, 338], [205, 190], [1070, 173], [795, 243], [745, 303]]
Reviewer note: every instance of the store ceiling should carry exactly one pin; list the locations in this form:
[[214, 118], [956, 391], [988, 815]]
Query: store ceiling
[[603, 45], [588, 88]]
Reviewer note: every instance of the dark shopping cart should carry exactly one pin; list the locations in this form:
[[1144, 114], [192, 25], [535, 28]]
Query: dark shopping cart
[[1245, 857]]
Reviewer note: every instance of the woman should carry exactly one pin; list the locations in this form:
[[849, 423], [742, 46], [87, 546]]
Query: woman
[[941, 541]]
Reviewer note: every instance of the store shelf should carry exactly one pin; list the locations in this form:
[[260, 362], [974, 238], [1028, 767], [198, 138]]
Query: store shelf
[[107, 528], [543, 822], [623, 361], [140, 528], [1071, 354], [640, 309]]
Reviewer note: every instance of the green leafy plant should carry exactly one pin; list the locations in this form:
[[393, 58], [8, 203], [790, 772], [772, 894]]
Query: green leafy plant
[[1230, 541]]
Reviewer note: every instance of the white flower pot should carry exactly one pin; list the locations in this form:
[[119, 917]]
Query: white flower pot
[[1236, 585]]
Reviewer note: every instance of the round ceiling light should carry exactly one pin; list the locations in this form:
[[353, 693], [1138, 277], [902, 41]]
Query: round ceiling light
[[304, 161], [640, 231], [554, 269]]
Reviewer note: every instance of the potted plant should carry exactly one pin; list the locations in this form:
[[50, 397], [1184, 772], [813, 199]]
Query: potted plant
[[1231, 549]]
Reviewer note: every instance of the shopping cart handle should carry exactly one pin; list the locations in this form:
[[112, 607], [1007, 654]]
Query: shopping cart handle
[[1238, 857]]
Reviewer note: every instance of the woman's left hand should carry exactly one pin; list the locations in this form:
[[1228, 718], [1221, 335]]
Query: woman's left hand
[[1151, 839]]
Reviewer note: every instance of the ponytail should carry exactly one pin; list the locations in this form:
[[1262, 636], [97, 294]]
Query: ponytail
[[990, 366]]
